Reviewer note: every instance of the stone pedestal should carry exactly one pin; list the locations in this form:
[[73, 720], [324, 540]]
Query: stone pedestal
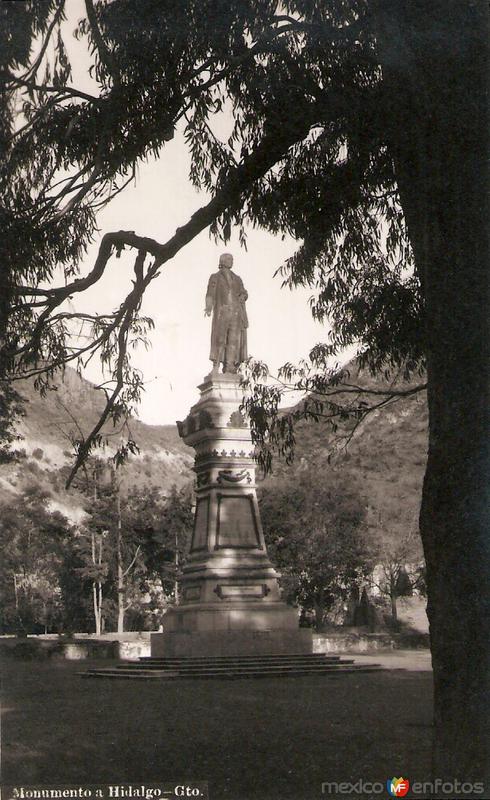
[[230, 600]]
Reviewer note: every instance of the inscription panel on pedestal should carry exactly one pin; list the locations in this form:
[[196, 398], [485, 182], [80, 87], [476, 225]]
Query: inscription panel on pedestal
[[241, 592], [237, 523], [200, 534], [192, 593]]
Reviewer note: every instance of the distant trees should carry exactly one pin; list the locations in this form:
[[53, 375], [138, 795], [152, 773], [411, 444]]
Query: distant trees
[[10, 409], [33, 541], [121, 559], [131, 545], [314, 527], [331, 545], [164, 527], [399, 568]]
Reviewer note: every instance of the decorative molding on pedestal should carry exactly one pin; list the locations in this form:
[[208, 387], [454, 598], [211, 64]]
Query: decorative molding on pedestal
[[230, 476]]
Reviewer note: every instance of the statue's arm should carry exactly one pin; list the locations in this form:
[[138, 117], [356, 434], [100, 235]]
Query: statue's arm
[[243, 291], [210, 294]]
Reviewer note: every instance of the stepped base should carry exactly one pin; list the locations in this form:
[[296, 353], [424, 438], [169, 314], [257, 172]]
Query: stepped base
[[233, 668], [230, 643]]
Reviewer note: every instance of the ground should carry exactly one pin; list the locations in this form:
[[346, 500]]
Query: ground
[[267, 739]]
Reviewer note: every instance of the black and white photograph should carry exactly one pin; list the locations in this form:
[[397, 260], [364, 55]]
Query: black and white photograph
[[244, 399]]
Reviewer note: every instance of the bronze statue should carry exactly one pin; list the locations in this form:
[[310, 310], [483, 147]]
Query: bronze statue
[[225, 297]]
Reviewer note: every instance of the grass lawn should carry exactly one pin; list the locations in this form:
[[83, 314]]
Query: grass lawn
[[267, 739]]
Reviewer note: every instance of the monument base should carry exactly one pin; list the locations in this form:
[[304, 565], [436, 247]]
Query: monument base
[[207, 644], [230, 599], [244, 628]]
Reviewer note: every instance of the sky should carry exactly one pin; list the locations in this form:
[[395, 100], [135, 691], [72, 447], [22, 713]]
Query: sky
[[161, 199]]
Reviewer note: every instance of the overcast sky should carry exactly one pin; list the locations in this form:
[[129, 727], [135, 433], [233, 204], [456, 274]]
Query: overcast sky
[[162, 198]]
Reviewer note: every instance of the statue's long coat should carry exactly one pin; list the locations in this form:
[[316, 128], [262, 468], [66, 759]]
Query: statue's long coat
[[225, 297]]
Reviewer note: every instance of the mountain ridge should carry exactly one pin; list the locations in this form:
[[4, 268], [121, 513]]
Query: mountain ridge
[[386, 456], [45, 450]]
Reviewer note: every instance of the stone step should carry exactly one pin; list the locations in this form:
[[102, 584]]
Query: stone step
[[189, 668], [230, 673], [180, 663], [241, 658], [108, 672]]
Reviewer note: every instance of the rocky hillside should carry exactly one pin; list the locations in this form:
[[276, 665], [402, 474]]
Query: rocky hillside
[[386, 457], [52, 422]]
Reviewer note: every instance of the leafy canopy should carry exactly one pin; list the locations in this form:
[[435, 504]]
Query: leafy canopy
[[315, 534], [308, 155]]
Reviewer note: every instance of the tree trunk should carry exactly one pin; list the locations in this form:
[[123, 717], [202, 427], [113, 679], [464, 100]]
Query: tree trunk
[[437, 80], [394, 610], [100, 621], [176, 562], [97, 586], [120, 572], [319, 615], [96, 608]]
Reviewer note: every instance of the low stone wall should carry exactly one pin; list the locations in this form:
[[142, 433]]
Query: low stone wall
[[134, 645], [28, 649], [81, 646], [133, 649], [340, 642]]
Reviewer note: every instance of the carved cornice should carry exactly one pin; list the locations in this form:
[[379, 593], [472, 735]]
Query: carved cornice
[[209, 455]]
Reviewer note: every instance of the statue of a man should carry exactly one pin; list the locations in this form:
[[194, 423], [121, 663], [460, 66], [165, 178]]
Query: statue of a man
[[225, 297]]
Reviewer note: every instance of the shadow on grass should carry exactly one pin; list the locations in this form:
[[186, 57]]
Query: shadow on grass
[[268, 739]]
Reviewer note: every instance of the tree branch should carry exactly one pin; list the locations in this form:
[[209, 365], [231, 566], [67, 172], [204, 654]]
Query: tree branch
[[126, 571], [69, 91], [104, 53], [56, 19], [132, 304], [274, 145]]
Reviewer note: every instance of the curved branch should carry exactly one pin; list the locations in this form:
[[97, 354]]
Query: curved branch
[[350, 389], [126, 571], [69, 91], [253, 166], [273, 147], [86, 187], [132, 304]]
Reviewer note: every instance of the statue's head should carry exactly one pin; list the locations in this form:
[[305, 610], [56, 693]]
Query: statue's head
[[226, 260]]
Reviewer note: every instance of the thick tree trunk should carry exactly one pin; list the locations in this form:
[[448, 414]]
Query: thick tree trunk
[[437, 78]]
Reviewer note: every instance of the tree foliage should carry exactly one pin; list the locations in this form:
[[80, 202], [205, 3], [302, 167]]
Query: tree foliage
[[129, 547], [72, 151], [51, 568], [34, 540], [315, 534], [399, 568], [307, 156]]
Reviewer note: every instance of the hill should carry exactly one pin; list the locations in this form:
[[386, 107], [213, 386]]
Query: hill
[[386, 457], [45, 448]]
